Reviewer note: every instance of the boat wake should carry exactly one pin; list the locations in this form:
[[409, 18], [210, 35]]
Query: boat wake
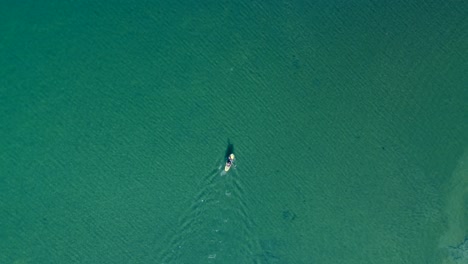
[[217, 226]]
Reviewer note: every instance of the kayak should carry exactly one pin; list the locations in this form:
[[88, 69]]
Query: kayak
[[229, 162]]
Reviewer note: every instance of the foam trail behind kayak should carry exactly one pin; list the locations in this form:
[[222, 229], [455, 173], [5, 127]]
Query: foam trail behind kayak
[[217, 227]]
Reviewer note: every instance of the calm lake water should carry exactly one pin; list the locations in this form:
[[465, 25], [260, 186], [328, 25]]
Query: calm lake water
[[348, 121]]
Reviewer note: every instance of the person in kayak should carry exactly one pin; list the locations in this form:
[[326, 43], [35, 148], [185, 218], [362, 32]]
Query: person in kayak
[[229, 162]]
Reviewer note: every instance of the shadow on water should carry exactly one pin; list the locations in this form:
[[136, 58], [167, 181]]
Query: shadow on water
[[229, 149]]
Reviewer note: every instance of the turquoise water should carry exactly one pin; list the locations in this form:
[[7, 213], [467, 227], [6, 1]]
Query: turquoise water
[[348, 121]]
